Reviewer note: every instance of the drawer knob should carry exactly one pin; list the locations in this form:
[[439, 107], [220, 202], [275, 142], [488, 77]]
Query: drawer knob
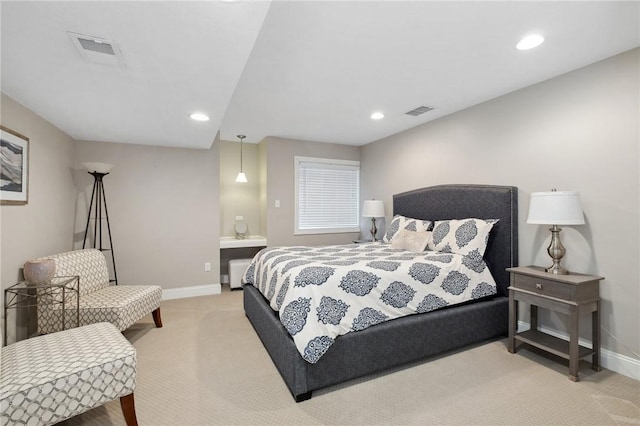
[[539, 286]]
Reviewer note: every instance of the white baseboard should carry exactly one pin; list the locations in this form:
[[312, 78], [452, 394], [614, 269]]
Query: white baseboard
[[610, 360], [193, 291]]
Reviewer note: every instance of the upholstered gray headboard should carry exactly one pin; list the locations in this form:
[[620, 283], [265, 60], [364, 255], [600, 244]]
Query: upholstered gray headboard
[[472, 201]]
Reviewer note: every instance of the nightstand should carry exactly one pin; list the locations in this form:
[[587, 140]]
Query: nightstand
[[573, 294]]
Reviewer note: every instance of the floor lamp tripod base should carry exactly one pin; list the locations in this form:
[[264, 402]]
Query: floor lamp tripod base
[[98, 204]]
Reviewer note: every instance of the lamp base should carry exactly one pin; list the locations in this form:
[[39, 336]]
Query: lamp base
[[557, 251], [556, 270], [374, 230]]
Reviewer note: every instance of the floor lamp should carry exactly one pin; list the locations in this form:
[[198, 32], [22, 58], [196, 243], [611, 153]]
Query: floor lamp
[[98, 171]]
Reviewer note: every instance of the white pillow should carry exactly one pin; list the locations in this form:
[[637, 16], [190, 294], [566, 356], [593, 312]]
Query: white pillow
[[411, 240], [461, 236], [400, 222]]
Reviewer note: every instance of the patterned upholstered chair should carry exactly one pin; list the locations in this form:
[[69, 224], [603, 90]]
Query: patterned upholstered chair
[[121, 305], [47, 379]]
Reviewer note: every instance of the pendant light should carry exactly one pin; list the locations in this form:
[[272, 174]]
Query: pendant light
[[241, 178]]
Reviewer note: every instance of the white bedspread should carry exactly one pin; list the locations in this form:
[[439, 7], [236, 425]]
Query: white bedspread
[[323, 292]]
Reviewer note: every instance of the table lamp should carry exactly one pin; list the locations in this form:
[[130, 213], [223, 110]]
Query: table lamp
[[373, 209], [555, 208]]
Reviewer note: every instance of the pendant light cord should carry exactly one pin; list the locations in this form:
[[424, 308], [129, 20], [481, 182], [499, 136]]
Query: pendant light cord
[[241, 137]]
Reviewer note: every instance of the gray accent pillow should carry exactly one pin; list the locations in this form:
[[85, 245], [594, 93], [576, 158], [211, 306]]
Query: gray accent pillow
[[411, 240]]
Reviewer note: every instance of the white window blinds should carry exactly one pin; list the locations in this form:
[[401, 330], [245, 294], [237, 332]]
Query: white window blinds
[[327, 195]]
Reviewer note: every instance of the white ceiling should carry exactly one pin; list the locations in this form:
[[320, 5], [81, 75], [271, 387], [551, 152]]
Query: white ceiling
[[308, 70]]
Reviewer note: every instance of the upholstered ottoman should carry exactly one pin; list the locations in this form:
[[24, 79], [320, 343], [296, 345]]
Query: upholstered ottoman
[[47, 379]]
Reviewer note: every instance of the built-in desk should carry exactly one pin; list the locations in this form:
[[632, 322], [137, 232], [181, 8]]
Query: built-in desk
[[232, 248], [250, 241]]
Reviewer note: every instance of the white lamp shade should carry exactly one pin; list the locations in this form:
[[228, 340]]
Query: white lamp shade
[[373, 208], [98, 167], [555, 208], [241, 178]]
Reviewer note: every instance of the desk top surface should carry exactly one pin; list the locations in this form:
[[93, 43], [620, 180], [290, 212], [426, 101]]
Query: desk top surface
[[249, 241]]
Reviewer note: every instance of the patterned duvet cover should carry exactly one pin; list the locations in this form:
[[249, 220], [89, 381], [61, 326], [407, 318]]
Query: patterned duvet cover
[[323, 292]]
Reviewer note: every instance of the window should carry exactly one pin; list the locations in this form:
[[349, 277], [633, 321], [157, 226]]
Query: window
[[327, 195]]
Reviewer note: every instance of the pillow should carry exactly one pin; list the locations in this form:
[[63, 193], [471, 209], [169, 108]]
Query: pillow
[[461, 236], [411, 240], [400, 222]]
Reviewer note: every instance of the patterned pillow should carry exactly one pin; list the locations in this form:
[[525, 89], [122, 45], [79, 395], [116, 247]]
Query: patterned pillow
[[400, 222], [461, 236], [411, 240]]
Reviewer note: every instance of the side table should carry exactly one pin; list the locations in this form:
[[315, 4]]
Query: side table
[[572, 294], [63, 291]]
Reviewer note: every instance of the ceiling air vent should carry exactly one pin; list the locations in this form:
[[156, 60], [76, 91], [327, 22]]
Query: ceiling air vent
[[97, 50], [420, 110]]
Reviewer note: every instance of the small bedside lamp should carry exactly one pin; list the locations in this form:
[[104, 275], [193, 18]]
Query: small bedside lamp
[[555, 208], [373, 209]]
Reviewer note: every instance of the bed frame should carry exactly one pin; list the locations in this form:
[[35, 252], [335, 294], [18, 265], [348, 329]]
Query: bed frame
[[415, 337]]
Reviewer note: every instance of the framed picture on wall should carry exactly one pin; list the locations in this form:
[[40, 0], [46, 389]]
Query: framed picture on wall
[[14, 167]]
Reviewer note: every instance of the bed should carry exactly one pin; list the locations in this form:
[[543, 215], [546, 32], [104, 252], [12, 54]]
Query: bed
[[411, 338]]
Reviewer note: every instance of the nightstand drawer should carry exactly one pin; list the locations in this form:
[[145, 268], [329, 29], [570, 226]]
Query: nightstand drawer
[[543, 287]]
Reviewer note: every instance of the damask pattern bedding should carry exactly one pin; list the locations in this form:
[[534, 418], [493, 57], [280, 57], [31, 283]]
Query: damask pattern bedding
[[323, 292]]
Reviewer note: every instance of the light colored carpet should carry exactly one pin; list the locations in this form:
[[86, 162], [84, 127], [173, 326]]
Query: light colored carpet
[[207, 366]]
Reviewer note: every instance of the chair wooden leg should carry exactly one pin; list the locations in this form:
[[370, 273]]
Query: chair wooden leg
[[156, 318], [129, 410]]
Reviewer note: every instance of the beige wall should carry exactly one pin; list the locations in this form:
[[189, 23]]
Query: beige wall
[[45, 225], [579, 131], [239, 199], [262, 170], [163, 209], [279, 156]]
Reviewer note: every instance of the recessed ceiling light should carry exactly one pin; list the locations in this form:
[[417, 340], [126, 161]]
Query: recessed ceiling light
[[198, 116], [529, 42], [377, 116]]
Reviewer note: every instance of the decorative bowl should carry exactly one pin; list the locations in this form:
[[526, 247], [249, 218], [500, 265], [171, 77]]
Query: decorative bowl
[[39, 271]]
